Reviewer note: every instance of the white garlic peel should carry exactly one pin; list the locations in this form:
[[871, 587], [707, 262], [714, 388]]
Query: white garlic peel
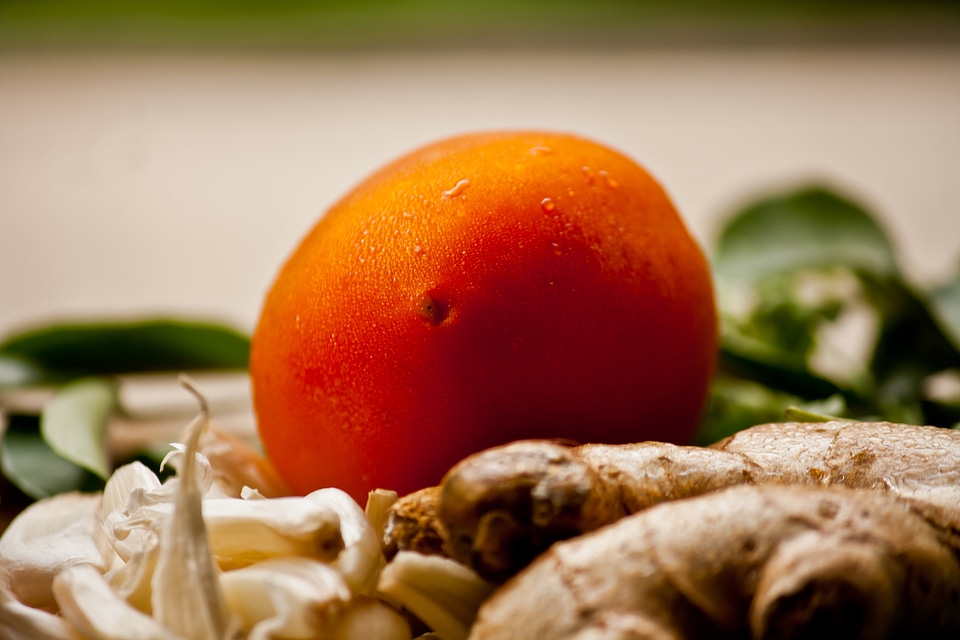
[[184, 560], [185, 589]]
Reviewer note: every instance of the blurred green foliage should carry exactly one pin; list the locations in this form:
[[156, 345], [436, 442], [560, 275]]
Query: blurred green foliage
[[792, 270], [372, 24]]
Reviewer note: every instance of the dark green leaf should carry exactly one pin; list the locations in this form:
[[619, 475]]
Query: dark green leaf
[[73, 350], [29, 462], [74, 423], [911, 347], [809, 228], [782, 370], [945, 304]]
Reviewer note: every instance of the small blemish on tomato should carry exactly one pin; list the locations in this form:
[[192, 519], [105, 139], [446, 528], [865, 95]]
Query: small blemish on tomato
[[430, 309]]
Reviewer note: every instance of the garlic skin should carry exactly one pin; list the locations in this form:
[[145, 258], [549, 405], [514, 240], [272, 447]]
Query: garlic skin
[[186, 596], [205, 556]]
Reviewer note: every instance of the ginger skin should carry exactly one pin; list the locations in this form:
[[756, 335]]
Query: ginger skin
[[498, 509], [766, 562]]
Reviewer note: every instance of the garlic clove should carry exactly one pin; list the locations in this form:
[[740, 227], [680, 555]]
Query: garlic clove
[[22, 622], [47, 537], [89, 604], [290, 598], [444, 594], [371, 618], [377, 510], [242, 532], [361, 558]]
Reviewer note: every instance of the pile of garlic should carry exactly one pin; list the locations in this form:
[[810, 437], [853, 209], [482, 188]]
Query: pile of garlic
[[202, 557]]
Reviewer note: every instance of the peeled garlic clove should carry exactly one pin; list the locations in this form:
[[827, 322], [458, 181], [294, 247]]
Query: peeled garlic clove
[[242, 532], [45, 538], [360, 559], [444, 594], [21, 622], [290, 598], [246, 531], [89, 604], [371, 618], [378, 506]]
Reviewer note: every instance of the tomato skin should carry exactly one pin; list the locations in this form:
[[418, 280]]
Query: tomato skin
[[483, 289]]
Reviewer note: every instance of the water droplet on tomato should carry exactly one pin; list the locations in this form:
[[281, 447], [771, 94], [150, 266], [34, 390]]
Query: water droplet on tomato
[[457, 189], [548, 205], [613, 184]]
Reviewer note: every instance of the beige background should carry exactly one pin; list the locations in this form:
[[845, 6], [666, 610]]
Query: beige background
[[171, 183]]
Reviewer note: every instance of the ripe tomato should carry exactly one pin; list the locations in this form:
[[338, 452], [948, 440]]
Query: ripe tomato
[[482, 289]]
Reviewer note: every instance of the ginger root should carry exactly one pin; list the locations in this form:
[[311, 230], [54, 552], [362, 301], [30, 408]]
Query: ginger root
[[498, 509], [765, 562]]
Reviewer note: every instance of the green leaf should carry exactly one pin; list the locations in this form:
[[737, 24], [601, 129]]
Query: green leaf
[[809, 228], [74, 423], [72, 350], [784, 371], [825, 410], [911, 346], [944, 303], [736, 404], [18, 372], [29, 462]]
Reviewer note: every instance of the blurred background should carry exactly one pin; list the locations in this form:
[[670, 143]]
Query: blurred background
[[163, 157]]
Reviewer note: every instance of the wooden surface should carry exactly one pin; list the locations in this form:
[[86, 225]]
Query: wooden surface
[[141, 184]]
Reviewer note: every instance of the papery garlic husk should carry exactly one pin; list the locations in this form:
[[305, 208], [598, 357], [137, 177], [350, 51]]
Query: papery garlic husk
[[127, 489], [371, 618], [89, 604], [289, 598], [122, 485], [361, 558], [442, 593], [185, 591], [47, 537], [236, 465], [132, 580]]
